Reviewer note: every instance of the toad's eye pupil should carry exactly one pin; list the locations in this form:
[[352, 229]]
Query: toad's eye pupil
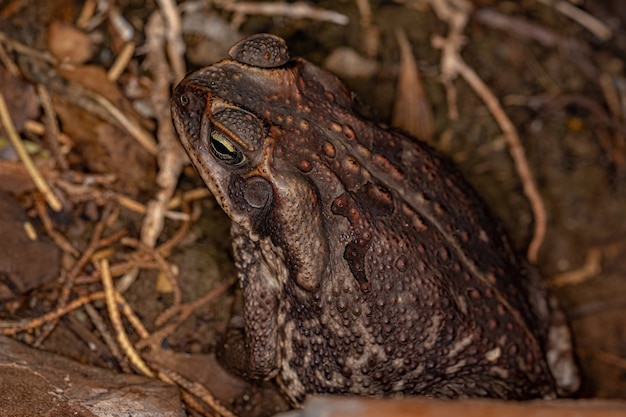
[[225, 150]]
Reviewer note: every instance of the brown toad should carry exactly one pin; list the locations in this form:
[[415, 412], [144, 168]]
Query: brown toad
[[368, 265]]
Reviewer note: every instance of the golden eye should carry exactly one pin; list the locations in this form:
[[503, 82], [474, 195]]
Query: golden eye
[[225, 150]]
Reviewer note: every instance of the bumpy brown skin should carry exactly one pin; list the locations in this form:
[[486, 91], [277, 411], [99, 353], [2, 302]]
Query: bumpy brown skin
[[368, 264]]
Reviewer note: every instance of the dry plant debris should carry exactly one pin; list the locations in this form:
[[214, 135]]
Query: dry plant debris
[[84, 102]]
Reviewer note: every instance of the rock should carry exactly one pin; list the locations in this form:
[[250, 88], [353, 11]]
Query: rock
[[39, 383]]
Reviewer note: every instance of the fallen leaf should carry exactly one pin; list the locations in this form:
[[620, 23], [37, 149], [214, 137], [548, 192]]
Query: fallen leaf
[[21, 99], [69, 44], [104, 147], [347, 62], [411, 111], [18, 249]]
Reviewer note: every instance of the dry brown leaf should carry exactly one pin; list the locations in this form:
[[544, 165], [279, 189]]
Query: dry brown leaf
[[105, 147], [346, 62], [411, 110], [22, 102], [95, 78], [69, 44], [14, 177], [18, 249]]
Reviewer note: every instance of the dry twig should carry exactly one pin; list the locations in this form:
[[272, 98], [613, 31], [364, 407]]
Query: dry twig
[[593, 25], [8, 62], [174, 36], [188, 196], [104, 333], [371, 34], [60, 240], [591, 267], [297, 10], [9, 328], [68, 282], [611, 359], [577, 51], [170, 157], [86, 13], [121, 61], [183, 311], [166, 248], [196, 389], [456, 14], [141, 135], [52, 125], [24, 49], [164, 266], [39, 129], [114, 315]]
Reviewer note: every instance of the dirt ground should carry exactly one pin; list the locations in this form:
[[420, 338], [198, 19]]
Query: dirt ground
[[102, 139]]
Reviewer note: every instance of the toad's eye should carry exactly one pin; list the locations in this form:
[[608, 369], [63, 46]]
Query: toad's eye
[[224, 149]]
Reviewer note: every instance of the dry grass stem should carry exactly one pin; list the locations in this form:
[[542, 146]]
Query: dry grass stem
[[165, 267], [132, 318], [456, 14], [140, 208], [185, 310], [196, 389], [8, 63], [517, 153], [9, 328], [52, 126], [174, 36], [60, 240], [68, 277], [141, 135], [39, 129], [86, 13], [188, 196], [114, 315], [584, 19], [121, 61], [16, 142], [23, 49], [98, 323], [170, 158], [297, 10]]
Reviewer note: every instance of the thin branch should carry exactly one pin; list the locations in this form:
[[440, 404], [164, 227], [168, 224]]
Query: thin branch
[[9, 328], [114, 315], [456, 14], [121, 61], [297, 10], [52, 125], [196, 389], [592, 24]]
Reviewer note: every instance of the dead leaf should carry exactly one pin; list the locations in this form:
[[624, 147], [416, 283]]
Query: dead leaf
[[347, 62], [18, 272], [104, 147], [411, 111], [69, 44], [22, 102]]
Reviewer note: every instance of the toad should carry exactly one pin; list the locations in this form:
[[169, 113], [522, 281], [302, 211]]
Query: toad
[[368, 265]]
